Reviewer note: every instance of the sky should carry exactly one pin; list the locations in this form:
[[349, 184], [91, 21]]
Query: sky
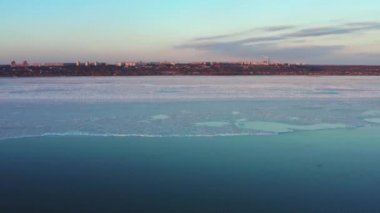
[[295, 31]]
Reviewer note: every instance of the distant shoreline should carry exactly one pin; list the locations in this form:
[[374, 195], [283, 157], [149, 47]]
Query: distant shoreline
[[186, 69]]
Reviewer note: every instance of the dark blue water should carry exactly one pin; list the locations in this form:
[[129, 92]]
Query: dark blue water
[[318, 171]]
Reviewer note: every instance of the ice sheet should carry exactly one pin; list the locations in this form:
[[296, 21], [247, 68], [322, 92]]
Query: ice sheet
[[185, 106], [129, 89]]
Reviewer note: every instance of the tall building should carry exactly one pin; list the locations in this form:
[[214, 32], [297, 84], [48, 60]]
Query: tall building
[[25, 63]]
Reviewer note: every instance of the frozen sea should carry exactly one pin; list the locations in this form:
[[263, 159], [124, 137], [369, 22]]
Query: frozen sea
[[190, 144]]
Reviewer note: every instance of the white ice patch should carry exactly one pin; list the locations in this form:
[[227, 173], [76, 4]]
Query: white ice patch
[[282, 127], [160, 117], [216, 124], [372, 113], [373, 120]]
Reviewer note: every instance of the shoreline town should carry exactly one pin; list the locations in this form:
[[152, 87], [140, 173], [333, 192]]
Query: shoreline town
[[25, 69]]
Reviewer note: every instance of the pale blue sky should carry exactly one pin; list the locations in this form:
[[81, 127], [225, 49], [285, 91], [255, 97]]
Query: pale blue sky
[[341, 31]]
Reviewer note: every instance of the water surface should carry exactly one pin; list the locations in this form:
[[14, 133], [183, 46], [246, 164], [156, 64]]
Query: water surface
[[190, 144]]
